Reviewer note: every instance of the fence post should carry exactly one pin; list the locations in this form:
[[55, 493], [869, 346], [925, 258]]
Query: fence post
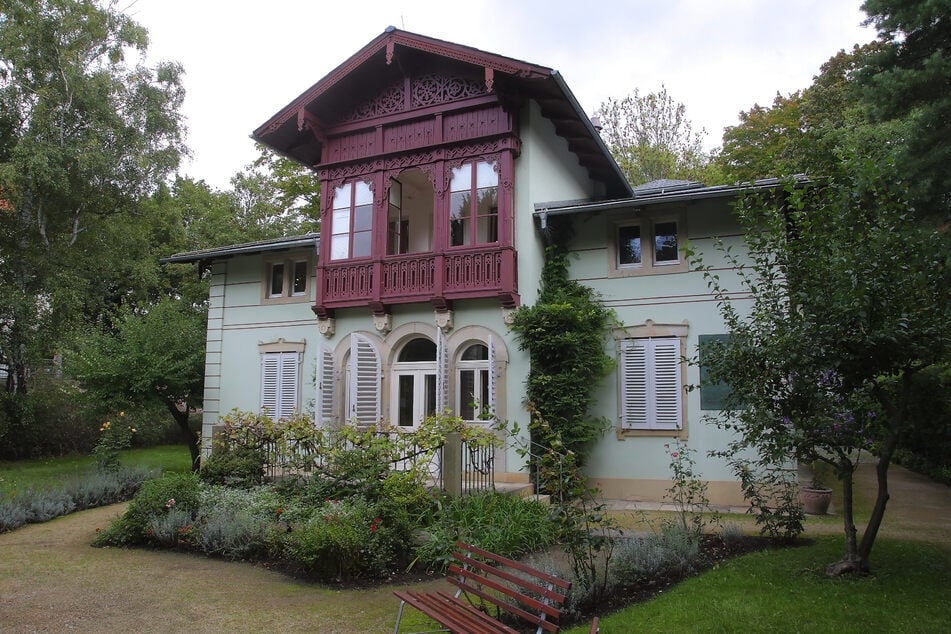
[[452, 464]]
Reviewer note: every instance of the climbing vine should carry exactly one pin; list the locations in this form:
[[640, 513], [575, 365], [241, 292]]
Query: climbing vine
[[564, 336]]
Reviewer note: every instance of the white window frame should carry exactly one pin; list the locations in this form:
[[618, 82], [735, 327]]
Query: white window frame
[[483, 374]]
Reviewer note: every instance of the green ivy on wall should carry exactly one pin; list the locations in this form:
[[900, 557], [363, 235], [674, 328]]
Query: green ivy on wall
[[564, 336]]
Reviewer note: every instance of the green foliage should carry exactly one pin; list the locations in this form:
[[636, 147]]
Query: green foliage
[[154, 357], [238, 467], [45, 421], [772, 491], [176, 493], [908, 79], [564, 336], [89, 490], [850, 302], [639, 561], [503, 524], [84, 134], [113, 438], [651, 138], [687, 492]]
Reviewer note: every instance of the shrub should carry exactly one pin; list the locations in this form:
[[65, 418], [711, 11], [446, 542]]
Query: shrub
[[170, 529], [504, 524], [156, 498], [641, 560], [43, 506], [12, 515], [240, 466], [336, 541]]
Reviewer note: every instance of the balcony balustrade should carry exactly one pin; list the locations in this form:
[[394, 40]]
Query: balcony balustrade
[[418, 277]]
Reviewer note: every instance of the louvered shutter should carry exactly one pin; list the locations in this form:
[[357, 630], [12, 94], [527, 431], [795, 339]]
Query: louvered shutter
[[442, 372], [633, 372], [288, 385], [326, 387], [270, 379], [650, 384], [364, 380], [666, 388], [493, 407]]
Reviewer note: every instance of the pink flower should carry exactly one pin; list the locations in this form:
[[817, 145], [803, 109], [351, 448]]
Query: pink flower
[[673, 454]]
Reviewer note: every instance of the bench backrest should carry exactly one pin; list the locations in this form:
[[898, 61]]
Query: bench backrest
[[520, 590]]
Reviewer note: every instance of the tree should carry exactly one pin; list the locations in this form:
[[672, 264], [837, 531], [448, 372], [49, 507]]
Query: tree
[[651, 138], [851, 303], [84, 135], [810, 131], [156, 356], [276, 197], [909, 77]]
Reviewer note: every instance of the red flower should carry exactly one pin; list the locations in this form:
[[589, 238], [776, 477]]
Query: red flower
[[673, 454], [279, 511], [373, 528]]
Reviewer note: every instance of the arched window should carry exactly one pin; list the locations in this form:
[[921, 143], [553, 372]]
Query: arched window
[[473, 400], [414, 383]]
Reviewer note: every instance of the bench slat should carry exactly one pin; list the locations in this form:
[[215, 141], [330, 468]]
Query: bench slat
[[480, 574], [555, 581], [471, 578]]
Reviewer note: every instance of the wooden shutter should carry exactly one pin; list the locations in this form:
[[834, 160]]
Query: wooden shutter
[[633, 376], [666, 388], [280, 379], [326, 387], [442, 372], [493, 407], [650, 384], [364, 380], [270, 379]]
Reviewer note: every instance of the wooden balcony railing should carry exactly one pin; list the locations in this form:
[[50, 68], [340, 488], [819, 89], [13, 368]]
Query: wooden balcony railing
[[419, 277]]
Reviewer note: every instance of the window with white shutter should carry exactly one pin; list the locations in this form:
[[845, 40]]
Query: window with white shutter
[[280, 383], [326, 387], [364, 392], [650, 384]]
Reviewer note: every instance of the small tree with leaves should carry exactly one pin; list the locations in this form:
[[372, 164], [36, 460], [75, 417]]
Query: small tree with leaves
[[155, 356], [850, 303]]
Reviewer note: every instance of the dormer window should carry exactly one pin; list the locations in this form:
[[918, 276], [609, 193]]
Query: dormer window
[[352, 221], [474, 204]]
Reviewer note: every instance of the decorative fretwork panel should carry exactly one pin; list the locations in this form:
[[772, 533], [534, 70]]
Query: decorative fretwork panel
[[408, 277], [468, 271], [390, 101], [432, 89]]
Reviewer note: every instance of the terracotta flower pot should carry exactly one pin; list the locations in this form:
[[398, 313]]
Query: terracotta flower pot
[[815, 501]]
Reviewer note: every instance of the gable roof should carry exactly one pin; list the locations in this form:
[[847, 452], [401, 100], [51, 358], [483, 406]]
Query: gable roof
[[295, 130]]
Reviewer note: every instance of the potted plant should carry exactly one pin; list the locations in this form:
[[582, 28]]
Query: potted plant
[[817, 496]]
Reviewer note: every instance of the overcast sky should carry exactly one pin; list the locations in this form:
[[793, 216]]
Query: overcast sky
[[244, 60]]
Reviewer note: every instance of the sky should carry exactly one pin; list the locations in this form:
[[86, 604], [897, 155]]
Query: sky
[[244, 60]]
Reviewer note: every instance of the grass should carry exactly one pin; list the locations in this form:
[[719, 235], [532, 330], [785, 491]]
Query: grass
[[45, 473], [787, 590]]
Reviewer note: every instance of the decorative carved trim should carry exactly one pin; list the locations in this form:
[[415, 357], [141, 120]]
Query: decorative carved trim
[[281, 346], [383, 323], [433, 89], [390, 101], [508, 316], [327, 327], [444, 320]]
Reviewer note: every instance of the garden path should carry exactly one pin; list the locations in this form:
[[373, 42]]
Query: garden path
[[51, 580]]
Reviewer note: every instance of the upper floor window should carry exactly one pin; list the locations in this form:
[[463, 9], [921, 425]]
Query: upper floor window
[[352, 222], [473, 204], [648, 246], [286, 279]]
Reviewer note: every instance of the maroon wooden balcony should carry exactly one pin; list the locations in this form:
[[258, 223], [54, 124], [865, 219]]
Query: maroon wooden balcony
[[418, 277]]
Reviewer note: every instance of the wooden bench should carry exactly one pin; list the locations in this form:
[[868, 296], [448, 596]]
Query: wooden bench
[[487, 581]]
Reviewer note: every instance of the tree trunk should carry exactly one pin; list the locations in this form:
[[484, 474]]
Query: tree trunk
[[180, 412]]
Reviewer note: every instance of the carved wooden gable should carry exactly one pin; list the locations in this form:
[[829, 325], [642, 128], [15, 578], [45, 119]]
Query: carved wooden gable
[[415, 92]]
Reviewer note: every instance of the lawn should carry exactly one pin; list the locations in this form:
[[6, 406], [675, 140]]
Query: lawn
[[786, 590], [44, 473]]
